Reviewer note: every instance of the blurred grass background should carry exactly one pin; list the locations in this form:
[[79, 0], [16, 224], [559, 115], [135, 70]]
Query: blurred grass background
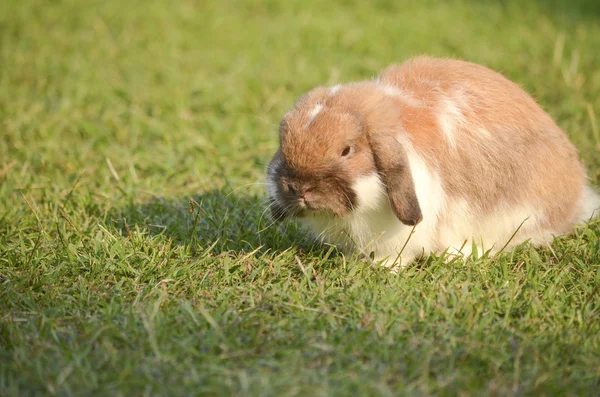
[[115, 116]]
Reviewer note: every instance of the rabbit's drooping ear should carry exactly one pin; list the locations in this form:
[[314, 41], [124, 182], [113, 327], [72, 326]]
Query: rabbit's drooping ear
[[394, 169]]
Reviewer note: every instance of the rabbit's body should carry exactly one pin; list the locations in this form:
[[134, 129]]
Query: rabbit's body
[[450, 146]]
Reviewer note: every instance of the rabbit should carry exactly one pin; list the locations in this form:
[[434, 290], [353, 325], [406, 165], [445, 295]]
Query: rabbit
[[434, 156]]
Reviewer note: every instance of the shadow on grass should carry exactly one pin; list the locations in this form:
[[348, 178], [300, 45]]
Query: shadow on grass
[[231, 223], [225, 220]]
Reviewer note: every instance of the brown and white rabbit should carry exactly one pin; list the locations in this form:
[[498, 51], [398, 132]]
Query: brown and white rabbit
[[434, 155]]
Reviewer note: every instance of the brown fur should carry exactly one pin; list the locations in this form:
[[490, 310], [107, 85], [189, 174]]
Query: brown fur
[[310, 159], [526, 158], [310, 152], [506, 149]]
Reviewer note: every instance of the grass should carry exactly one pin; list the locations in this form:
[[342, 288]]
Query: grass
[[135, 258]]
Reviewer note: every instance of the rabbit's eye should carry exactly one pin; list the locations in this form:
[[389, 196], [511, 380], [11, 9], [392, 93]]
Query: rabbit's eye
[[346, 151]]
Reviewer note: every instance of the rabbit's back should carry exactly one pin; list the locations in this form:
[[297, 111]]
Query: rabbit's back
[[498, 154]]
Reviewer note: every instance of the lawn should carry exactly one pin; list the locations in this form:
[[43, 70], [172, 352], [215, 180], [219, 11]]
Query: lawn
[[136, 255]]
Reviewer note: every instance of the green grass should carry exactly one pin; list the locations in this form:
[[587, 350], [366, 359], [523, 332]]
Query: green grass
[[114, 116]]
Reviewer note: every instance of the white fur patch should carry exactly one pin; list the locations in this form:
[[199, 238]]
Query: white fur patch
[[450, 119], [393, 91], [313, 113], [462, 226], [589, 205], [428, 185], [484, 132], [333, 90], [369, 191]]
